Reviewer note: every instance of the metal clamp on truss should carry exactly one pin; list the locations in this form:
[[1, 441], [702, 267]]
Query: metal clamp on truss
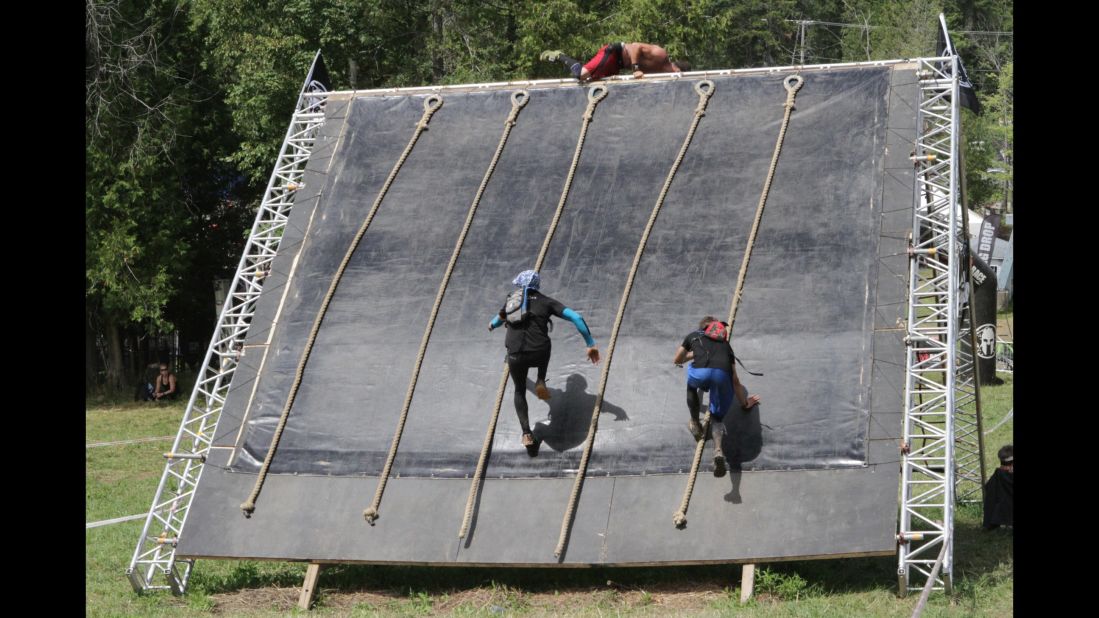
[[914, 252], [904, 537], [914, 337]]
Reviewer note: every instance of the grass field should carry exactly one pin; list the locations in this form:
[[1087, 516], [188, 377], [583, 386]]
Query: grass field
[[121, 480]]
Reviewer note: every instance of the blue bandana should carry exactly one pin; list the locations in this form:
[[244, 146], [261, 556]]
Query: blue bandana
[[528, 279]]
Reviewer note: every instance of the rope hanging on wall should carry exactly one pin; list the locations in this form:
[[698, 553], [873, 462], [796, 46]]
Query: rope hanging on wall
[[519, 99], [705, 90], [432, 103], [596, 94], [792, 84]]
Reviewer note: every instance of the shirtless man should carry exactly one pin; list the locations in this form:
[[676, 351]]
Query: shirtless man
[[613, 57]]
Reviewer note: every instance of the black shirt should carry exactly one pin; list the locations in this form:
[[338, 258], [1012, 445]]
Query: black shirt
[[1000, 499], [532, 334], [709, 353]]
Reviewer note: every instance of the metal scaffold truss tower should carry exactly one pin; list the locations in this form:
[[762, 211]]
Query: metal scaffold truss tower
[[155, 551], [941, 452]]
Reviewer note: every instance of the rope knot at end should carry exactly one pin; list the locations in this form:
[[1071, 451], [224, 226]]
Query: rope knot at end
[[370, 515], [247, 509], [680, 520]]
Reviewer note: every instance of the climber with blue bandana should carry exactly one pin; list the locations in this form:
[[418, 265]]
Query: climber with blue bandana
[[526, 313]]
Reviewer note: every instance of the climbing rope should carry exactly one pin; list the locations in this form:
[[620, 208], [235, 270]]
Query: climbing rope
[[595, 94], [431, 104], [519, 99], [705, 90], [792, 84]]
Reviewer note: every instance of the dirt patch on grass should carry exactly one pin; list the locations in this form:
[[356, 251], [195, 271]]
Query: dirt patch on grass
[[675, 598], [256, 600]]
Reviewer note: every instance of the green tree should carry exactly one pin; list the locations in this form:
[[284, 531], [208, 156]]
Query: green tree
[[188, 102], [989, 140], [257, 53], [152, 145], [129, 133], [981, 32], [893, 28]]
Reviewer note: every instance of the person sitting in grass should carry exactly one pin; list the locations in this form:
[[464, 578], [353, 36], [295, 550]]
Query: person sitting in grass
[[1000, 492], [166, 386]]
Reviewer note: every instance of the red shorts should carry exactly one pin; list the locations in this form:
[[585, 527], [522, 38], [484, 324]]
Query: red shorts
[[608, 61]]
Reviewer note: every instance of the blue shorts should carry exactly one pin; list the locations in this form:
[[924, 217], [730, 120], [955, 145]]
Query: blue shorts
[[717, 382]]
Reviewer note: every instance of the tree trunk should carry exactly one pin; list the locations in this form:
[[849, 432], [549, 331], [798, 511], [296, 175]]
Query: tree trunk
[[133, 344], [353, 72], [438, 69], [511, 36], [91, 355], [114, 355]]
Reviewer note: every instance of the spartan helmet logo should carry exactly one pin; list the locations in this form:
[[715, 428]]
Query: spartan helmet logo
[[986, 341]]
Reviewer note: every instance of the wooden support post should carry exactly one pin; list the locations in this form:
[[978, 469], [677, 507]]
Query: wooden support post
[[747, 582], [309, 587]]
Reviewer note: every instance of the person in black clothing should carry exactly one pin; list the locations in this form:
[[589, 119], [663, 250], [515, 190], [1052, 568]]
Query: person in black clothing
[[711, 369], [1000, 492], [165, 384], [528, 343]]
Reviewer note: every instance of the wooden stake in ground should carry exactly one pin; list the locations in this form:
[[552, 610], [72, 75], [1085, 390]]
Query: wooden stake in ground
[[309, 587], [747, 582]]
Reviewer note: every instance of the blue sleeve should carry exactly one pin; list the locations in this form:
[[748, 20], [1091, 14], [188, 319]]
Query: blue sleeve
[[496, 322], [581, 326]]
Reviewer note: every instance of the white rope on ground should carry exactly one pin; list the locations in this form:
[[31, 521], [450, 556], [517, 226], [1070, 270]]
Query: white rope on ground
[[117, 520], [134, 441], [1005, 419]]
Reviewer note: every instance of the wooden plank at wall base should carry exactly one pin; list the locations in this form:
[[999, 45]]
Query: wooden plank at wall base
[[747, 582], [309, 587]]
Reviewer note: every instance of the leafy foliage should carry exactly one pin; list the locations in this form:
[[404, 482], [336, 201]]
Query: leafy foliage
[[187, 103]]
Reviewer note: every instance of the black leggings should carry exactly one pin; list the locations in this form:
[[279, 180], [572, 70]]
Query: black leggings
[[518, 366], [694, 402]]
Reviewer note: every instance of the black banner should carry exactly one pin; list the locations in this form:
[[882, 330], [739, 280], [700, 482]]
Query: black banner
[[319, 76], [984, 319]]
